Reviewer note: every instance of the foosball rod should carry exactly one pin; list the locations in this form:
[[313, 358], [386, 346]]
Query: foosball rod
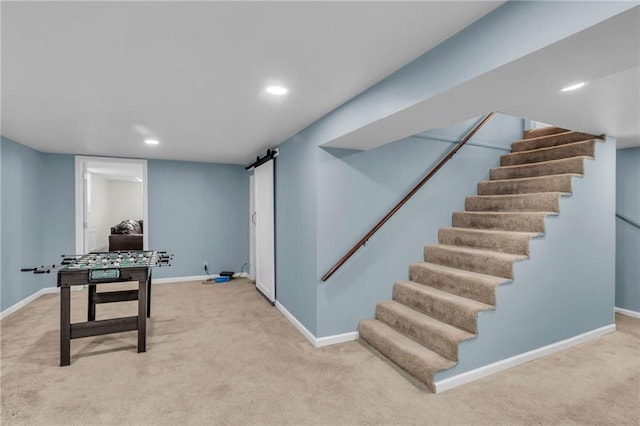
[[39, 270]]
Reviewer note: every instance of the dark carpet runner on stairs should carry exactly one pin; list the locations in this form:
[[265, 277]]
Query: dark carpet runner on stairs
[[437, 308]]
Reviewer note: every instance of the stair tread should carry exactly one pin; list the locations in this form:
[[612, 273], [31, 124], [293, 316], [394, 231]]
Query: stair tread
[[453, 333], [552, 167], [491, 279], [506, 239], [431, 360], [492, 231], [469, 304], [532, 156], [542, 163], [550, 148], [470, 250], [551, 136], [525, 195], [546, 130], [507, 213], [531, 178]]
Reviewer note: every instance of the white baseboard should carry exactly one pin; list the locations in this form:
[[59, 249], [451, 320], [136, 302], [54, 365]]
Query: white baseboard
[[337, 338], [297, 324], [487, 370], [627, 312], [315, 341], [24, 302], [195, 278], [27, 300], [182, 279]]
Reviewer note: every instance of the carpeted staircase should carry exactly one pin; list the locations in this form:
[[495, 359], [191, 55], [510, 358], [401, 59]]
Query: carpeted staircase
[[436, 309]]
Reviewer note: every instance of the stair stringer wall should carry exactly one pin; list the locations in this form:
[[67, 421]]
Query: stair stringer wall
[[356, 189], [566, 287]]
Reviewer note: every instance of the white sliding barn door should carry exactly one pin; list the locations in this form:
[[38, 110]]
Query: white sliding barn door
[[264, 230], [252, 229]]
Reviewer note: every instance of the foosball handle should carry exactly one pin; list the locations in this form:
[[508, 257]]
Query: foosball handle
[[28, 269]]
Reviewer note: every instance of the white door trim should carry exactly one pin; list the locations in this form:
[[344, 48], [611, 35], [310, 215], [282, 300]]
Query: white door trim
[[80, 161]]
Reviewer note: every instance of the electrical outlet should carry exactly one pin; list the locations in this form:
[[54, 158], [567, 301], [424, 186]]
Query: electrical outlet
[[205, 265]]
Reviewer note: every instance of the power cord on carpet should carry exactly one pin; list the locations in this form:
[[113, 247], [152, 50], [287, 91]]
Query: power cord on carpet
[[212, 280], [208, 280]]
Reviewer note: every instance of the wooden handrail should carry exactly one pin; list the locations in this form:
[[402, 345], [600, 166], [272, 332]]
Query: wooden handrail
[[406, 198]]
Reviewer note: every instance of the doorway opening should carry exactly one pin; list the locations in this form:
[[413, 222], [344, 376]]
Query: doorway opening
[[110, 192]]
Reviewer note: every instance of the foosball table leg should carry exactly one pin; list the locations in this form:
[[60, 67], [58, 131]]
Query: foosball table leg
[[65, 326], [142, 319], [149, 296], [91, 306]]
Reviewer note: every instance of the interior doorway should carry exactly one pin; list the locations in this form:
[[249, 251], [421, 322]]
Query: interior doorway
[[108, 192]]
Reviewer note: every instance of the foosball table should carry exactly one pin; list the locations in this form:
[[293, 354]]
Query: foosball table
[[95, 269]]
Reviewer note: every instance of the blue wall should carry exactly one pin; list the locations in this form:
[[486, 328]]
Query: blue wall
[[37, 217], [21, 224], [356, 189], [1, 223], [295, 237], [57, 196], [199, 212], [326, 199], [628, 235]]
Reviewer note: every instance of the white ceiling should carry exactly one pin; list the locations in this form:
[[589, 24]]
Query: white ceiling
[[608, 105], [607, 55], [96, 78]]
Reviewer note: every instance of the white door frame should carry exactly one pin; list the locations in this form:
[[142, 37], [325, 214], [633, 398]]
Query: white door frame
[[80, 165]]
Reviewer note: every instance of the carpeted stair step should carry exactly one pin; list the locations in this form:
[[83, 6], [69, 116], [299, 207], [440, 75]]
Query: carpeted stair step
[[514, 242], [435, 335], [470, 259], [504, 221], [572, 165], [468, 284], [554, 183], [543, 131], [535, 202], [409, 355], [449, 308], [576, 149], [549, 141]]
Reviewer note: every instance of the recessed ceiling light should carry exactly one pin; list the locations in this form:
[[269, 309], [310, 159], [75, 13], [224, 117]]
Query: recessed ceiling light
[[574, 86], [151, 141], [277, 90]]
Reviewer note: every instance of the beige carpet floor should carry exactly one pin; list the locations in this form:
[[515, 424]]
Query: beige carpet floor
[[219, 354]]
